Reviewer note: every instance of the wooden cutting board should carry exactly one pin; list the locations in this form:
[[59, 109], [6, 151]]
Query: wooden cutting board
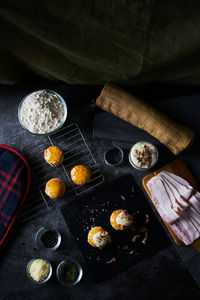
[[179, 168]]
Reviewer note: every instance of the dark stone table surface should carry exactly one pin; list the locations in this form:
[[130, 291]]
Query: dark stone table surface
[[162, 276]]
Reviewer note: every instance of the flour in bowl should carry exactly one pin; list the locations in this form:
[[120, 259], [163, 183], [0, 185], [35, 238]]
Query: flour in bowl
[[42, 112]]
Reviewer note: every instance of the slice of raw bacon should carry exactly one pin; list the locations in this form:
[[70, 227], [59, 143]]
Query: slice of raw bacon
[[177, 204], [162, 200]]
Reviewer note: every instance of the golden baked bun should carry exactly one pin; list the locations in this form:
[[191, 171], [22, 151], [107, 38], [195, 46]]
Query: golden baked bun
[[124, 218], [53, 156], [98, 237], [55, 188], [80, 174], [113, 221]]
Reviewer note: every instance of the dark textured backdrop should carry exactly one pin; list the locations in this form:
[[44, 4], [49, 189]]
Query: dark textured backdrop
[[129, 42]]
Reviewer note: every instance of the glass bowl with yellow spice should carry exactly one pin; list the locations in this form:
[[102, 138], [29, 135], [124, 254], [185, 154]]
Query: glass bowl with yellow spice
[[69, 272], [39, 270]]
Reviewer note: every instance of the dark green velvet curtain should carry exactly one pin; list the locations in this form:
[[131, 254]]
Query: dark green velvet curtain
[[90, 42]]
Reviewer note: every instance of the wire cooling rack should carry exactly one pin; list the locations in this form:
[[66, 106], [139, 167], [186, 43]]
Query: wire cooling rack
[[76, 151]]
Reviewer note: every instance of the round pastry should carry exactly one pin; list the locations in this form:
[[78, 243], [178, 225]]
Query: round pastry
[[80, 174], [98, 237], [55, 188], [53, 156], [120, 219]]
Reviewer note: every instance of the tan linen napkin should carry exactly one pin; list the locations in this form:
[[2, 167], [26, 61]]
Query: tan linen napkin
[[174, 136]]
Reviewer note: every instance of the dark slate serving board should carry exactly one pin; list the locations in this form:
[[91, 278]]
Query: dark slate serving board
[[94, 209]]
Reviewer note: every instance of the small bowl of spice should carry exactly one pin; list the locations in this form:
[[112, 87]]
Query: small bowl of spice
[[42, 112], [48, 238], [39, 270], [143, 156], [69, 272]]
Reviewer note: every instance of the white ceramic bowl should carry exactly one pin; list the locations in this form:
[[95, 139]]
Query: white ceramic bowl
[[143, 168]]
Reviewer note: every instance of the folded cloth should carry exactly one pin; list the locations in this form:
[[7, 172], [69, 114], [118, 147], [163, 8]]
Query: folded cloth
[[174, 136], [14, 186]]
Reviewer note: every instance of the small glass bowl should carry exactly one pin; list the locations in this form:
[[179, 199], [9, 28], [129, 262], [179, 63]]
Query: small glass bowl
[[31, 278], [59, 268], [50, 132], [40, 233], [152, 165], [114, 156]]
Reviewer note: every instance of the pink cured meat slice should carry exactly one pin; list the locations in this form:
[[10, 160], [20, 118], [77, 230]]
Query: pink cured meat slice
[[181, 226], [178, 203], [177, 178], [197, 195], [185, 230], [193, 216], [174, 203], [195, 203], [178, 199], [162, 200], [184, 191], [193, 198]]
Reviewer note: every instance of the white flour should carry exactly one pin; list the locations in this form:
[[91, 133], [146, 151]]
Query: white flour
[[42, 112]]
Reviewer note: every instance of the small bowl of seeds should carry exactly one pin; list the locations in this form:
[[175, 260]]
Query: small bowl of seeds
[[48, 238], [69, 272]]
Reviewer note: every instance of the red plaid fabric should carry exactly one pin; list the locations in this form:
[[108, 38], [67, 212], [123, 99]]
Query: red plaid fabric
[[14, 185]]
